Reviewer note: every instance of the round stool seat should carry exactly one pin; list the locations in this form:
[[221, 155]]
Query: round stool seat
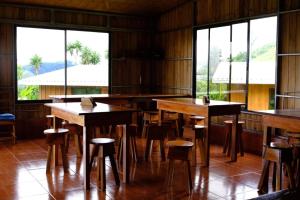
[[197, 117], [102, 141], [180, 143], [280, 145], [56, 131], [231, 121], [198, 127]]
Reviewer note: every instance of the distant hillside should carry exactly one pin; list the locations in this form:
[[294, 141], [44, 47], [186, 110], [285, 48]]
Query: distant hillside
[[46, 67]]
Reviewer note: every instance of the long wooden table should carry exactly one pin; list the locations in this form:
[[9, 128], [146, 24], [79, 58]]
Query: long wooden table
[[193, 106], [283, 119], [115, 98], [88, 117]]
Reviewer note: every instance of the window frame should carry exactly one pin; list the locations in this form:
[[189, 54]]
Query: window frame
[[230, 24], [65, 29]]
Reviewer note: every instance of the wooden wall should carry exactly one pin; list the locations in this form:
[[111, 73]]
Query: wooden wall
[[173, 73], [130, 46], [289, 54]]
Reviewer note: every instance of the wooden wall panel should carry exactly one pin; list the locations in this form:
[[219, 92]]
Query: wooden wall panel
[[178, 18], [211, 11], [289, 4], [64, 17], [22, 13]]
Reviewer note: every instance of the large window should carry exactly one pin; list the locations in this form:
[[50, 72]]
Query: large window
[[57, 62], [234, 66]]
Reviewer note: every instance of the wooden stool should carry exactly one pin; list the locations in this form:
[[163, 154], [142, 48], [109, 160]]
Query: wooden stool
[[294, 140], [179, 150], [104, 147], [195, 119], [156, 132], [228, 135], [173, 118], [149, 117], [9, 120], [279, 153], [131, 130], [199, 138], [75, 131], [55, 138]]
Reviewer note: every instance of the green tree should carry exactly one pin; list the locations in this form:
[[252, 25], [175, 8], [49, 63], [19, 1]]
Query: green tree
[[20, 72], [89, 57], [240, 57], [74, 46], [36, 62]]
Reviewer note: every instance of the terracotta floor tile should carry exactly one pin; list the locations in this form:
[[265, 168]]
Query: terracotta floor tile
[[23, 167]]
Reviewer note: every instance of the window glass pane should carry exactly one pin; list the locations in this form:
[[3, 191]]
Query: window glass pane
[[219, 63], [40, 55], [87, 61], [262, 63], [238, 63], [202, 63]]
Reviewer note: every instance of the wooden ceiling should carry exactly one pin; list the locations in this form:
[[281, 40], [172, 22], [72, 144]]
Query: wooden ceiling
[[134, 7]]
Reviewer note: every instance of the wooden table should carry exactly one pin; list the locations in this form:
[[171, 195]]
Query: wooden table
[[88, 117], [115, 98], [192, 106], [283, 119]]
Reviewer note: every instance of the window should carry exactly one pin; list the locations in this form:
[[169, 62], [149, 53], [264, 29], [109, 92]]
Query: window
[[223, 69], [57, 62]]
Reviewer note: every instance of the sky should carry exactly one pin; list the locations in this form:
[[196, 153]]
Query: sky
[[49, 43]]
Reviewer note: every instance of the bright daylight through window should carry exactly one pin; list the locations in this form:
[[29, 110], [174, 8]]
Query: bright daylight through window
[[223, 69], [57, 62]]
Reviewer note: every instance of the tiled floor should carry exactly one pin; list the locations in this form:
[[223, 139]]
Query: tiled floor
[[22, 176]]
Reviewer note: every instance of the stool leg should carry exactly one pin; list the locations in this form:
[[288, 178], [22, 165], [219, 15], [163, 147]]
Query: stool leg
[[49, 156], [114, 168], [148, 142], [263, 181], [144, 129], [290, 176], [94, 154], [101, 169], [278, 176], [78, 144], [67, 141], [189, 175], [162, 150], [64, 158], [55, 155], [274, 175]]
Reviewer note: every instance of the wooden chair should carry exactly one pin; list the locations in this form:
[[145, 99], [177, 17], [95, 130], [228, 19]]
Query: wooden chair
[[55, 138], [278, 153], [179, 150], [156, 132], [228, 135], [104, 147]]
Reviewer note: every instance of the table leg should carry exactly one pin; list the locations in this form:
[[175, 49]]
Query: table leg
[[86, 158], [233, 156], [126, 157]]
